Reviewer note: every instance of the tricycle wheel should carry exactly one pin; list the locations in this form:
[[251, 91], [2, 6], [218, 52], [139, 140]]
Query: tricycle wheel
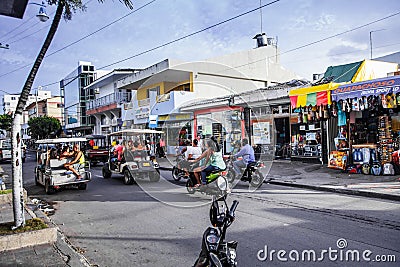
[[128, 180], [82, 186], [48, 188], [37, 177], [106, 172]]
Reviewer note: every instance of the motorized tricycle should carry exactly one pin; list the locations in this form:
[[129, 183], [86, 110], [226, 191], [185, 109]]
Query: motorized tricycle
[[50, 170], [132, 155], [96, 149]]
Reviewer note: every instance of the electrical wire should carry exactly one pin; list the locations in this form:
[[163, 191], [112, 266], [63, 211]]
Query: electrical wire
[[86, 36]]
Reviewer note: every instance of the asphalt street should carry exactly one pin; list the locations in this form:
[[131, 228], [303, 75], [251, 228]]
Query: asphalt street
[[159, 224]]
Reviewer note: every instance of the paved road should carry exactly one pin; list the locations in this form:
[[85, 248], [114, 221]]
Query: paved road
[[159, 224]]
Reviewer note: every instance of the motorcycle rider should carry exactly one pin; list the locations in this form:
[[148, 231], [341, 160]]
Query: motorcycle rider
[[247, 154], [214, 159]]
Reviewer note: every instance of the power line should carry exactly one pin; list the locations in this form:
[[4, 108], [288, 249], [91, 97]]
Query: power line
[[102, 28], [189, 35], [16, 27]]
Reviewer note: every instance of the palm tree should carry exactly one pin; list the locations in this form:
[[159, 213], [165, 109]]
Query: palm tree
[[65, 8]]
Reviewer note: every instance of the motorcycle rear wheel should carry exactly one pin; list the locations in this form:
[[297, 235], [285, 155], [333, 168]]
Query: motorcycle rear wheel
[[257, 179], [190, 186], [176, 174]]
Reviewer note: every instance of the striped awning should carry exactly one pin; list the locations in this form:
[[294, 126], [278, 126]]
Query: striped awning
[[315, 95]]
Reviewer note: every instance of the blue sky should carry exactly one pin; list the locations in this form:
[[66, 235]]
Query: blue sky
[[295, 22]]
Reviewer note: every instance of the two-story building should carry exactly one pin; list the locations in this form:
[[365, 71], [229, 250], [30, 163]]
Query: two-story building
[[109, 101]]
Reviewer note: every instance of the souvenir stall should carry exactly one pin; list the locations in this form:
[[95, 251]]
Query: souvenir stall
[[369, 128], [310, 110]]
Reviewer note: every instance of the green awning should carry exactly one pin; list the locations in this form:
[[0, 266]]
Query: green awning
[[342, 73]]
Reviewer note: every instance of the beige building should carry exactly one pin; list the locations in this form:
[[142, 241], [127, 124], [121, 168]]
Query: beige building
[[50, 107]]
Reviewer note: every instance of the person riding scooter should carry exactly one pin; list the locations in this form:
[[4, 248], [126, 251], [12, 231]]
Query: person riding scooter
[[247, 154], [214, 158]]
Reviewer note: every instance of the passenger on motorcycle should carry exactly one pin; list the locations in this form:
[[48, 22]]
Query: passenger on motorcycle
[[214, 161], [247, 154], [192, 152]]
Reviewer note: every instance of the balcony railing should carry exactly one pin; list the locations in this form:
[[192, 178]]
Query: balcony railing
[[144, 102], [117, 97]]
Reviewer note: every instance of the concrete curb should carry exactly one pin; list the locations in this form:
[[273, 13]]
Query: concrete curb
[[28, 239], [7, 198], [338, 190]]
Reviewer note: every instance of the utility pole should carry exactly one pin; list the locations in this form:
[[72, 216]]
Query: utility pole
[[370, 39]]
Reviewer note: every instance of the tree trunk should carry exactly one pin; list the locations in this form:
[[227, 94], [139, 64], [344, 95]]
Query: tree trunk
[[18, 200]]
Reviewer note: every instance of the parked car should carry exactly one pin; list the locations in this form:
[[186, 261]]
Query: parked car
[[6, 152], [50, 171]]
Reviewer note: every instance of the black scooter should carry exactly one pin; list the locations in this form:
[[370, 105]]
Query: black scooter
[[215, 251]]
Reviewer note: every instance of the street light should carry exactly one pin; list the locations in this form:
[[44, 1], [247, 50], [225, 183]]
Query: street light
[[370, 39], [6, 46], [42, 15]]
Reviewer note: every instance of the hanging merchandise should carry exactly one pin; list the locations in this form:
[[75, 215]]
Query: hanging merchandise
[[341, 116], [355, 104], [334, 109], [366, 154], [300, 116], [383, 101], [309, 114], [305, 115], [391, 101], [326, 112]]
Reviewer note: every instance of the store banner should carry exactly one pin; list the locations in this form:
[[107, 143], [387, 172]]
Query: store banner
[[387, 85]]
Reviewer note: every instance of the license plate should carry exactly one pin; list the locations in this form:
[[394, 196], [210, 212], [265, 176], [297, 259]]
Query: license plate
[[146, 164]]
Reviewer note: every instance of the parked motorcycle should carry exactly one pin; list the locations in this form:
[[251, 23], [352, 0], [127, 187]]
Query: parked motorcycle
[[250, 174], [215, 251]]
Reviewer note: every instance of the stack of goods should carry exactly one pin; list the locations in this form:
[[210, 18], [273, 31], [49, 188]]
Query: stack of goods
[[386, 145]]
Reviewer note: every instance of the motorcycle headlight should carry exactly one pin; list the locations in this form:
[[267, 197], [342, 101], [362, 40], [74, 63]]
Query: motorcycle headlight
[[215, 260], [212, 239], [222, 183]]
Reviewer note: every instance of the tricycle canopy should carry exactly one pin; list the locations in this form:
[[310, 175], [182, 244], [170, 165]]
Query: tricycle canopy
[[132, 132], [61, 140]]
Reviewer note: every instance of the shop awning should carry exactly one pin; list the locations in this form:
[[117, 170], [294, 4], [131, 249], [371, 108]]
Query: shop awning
[[375, 87], [314, 95]]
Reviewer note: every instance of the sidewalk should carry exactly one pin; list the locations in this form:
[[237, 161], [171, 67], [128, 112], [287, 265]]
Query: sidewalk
[[47, 247], [319, 177]]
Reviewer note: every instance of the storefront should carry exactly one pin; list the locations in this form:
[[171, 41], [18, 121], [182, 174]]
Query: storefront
[[368, 123], [309, 127], [225, 123], [270, 130]]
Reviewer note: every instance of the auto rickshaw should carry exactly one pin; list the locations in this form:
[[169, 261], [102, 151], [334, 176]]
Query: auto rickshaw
[[136, 159]]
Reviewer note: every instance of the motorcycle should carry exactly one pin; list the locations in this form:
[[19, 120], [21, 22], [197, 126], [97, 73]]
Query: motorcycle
[[216, 184], [177, 171], [215, 251], [251, 173]]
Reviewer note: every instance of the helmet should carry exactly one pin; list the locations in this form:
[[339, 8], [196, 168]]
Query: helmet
[[216, 216]]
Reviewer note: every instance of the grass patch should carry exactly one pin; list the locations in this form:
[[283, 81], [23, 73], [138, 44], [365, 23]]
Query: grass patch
[[30, 225], [3, 192]]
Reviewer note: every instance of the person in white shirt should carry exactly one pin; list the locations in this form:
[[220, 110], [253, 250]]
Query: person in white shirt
[[192, 152]]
